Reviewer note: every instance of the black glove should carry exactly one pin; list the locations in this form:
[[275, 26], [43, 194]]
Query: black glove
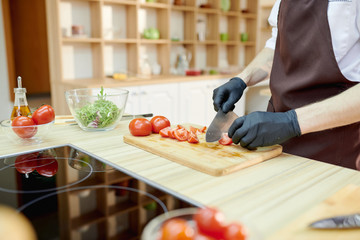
[[228, 94], [264, 128]]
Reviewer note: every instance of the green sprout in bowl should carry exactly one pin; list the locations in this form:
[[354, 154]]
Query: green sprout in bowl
[[100, 114]]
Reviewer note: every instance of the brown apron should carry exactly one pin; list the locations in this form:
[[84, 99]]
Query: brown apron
[[304, 71]]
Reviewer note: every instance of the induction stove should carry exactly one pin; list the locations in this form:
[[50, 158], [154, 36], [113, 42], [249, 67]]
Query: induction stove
[[68, 193]]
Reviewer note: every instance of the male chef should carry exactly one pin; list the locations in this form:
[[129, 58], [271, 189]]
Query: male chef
[[313, 61]]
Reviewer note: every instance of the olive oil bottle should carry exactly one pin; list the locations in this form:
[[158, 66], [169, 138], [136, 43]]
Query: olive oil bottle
[[21, 107]]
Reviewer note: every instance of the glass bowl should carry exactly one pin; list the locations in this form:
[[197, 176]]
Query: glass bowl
[[26, 135], [153, 228], [97, 109]]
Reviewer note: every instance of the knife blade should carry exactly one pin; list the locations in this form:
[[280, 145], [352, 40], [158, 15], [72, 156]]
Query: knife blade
[[338, 222], [220, 124]]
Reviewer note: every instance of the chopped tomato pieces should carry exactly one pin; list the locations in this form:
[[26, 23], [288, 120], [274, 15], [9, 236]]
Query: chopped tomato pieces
[[203, 129], [172, 133], [165, 132], [181, 134], [225, 139], [192, 138]]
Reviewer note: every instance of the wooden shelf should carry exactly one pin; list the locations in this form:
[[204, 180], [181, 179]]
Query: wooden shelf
[[116, 44]]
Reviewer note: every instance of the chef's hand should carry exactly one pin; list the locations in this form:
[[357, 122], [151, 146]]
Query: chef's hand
[[264, 128], [228, 94]]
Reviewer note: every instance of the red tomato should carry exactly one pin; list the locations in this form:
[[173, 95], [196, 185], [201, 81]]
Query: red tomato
[[181, 134], [140, 127], [235, 231], [43, 114], [171, 133], [26, 163], [47, 166], [158, 123], [225, 140], [210, 222], [177, 229], [165, 132], [199, 236], [192, 138], [20, 124], [203, 129]]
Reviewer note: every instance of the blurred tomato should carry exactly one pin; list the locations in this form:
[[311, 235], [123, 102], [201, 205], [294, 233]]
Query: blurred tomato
[[158, 123], [192, 138], [181, 134], [140, 127], [47, 165], [20, 124], [165, 132], [225, 139], [210, 222], [43, 114], [235, 231], [26, 163], [177, 229]]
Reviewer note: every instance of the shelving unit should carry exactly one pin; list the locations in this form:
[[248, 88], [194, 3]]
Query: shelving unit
[[113, 41], [105, 212]]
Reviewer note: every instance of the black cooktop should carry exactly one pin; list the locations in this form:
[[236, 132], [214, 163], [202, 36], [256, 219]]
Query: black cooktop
[[67, 193]]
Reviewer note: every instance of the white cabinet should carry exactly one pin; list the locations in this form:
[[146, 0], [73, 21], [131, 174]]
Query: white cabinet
[[196, 105], [159, 99]]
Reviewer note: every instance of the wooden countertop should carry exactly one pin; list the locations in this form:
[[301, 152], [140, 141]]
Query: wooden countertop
[[268, 195]]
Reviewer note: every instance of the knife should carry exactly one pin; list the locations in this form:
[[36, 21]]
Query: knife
[[220, 125], [338, 222]]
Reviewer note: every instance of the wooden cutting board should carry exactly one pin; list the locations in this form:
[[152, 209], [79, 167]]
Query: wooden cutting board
[[346, 201], [211, 158]]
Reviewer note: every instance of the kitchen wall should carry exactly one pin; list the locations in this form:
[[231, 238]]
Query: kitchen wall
[[5, 103]]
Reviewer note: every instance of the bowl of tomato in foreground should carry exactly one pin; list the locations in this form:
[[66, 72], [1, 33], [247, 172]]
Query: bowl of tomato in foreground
[[190, 224], [26, 135]]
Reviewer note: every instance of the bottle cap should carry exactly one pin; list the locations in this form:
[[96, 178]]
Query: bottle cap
[[19, 89]]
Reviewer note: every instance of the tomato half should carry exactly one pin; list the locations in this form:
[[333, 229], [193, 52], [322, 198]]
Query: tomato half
[[43, 114], [47, 166], [140, 127], [165, 132], [235, 231], [181, 134], [26, 163], [210, 222], [225, 139], [177, 229], [158, 123], [20, 127]]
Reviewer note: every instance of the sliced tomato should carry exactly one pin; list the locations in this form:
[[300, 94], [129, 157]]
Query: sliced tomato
[[194, 130], [235, 231], [192, 138], [171, 133], [225, 139], [203, 129], [165, 132], [180, 126], [181, 134]]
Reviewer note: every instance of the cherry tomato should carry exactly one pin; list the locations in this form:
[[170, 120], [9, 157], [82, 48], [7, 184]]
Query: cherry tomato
[[26, 163], [165, 132], [43, 114], [235, 231], [177, 229], [47, 166], [225, 140], [140, 127], [20, 124], [181, 134], [192, 138], [210, 222], [158, 123]]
